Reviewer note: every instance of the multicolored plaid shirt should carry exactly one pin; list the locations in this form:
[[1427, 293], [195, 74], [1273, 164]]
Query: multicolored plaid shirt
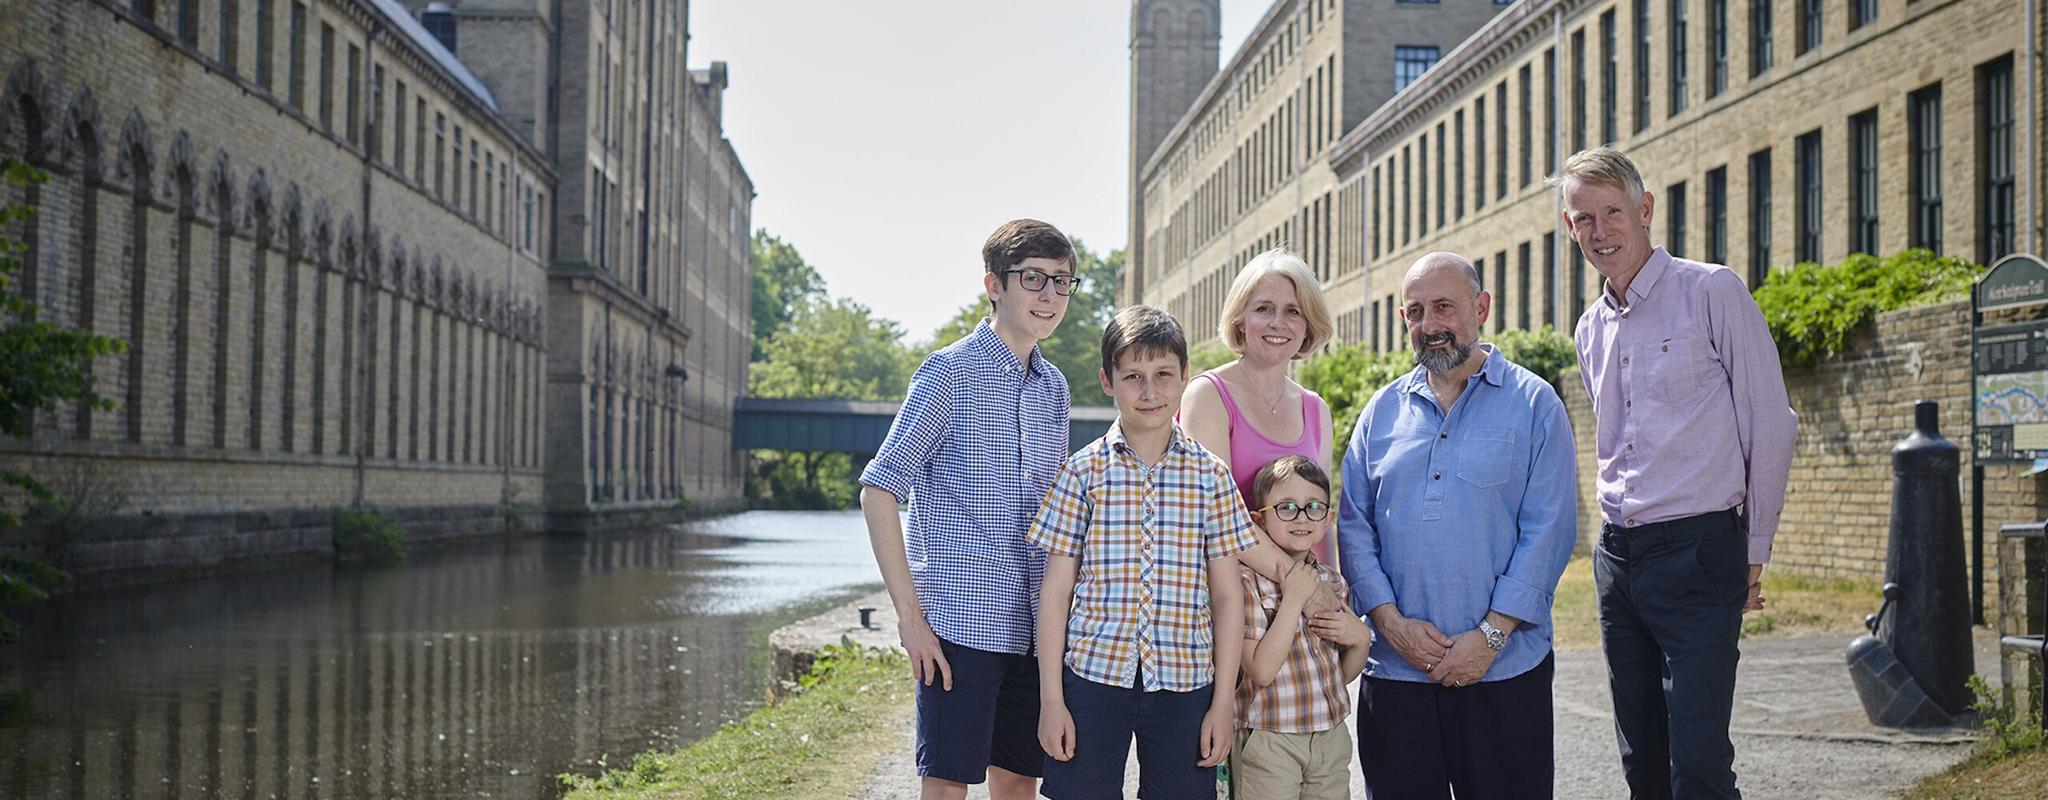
[[973, 450], [1308, 693], [1145, 537]]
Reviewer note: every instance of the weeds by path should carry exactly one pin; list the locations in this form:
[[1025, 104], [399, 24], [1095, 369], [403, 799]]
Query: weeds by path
[[818, 744]]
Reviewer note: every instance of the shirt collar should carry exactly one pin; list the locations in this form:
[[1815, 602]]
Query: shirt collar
[[992, 347], [1645, 279], [1494, 371], [1115, 439]]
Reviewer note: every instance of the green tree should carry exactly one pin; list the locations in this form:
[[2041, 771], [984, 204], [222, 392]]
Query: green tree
[[43, 367], [831, 348], [1076, 347], [783, 283]]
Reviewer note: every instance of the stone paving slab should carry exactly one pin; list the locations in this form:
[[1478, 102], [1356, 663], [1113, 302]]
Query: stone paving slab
[[1799, 731]]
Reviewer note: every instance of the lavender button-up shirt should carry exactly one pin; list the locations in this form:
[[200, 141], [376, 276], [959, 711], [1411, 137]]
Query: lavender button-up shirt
[[1690, 400]]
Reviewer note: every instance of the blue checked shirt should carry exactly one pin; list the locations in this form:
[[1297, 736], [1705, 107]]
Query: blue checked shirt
[[1145, 537], [1447, 516], [973, 451]]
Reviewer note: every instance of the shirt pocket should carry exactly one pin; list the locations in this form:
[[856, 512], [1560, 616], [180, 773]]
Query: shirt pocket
[[1488, 456], [1680, 369]]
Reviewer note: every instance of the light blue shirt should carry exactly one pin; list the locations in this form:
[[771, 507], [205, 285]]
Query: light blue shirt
[[1447, 516]]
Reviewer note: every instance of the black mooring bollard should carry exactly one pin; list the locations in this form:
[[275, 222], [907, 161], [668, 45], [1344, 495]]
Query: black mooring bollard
[[867, 617], [1928, 627]]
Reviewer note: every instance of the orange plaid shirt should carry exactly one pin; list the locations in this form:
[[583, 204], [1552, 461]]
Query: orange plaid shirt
[[1308, 694]]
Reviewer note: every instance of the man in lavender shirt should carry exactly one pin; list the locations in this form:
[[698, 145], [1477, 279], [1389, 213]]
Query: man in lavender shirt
[[1695, 439]]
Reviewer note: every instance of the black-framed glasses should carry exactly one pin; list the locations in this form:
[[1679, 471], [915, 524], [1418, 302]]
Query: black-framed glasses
[[1316, 510], [1034, 281]]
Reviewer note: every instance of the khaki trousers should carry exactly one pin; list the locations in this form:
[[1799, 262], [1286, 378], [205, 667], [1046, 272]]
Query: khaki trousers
[[1286, 766]]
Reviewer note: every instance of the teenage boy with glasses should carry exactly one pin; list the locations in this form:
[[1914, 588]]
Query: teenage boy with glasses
[[974, 450]]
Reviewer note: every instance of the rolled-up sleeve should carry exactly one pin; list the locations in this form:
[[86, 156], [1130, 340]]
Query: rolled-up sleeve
[[915, 434], [1358, 540], [1547, 525], [1765, 424]]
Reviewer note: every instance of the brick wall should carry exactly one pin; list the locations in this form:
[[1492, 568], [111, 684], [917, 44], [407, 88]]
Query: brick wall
[[1852, 409]]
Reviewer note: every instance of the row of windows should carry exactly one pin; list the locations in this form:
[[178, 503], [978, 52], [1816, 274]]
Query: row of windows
[[482, 192]]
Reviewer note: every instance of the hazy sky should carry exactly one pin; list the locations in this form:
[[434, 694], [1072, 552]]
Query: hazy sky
[[887, 139]]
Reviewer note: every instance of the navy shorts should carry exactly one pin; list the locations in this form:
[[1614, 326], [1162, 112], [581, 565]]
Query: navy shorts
[[989, 719], [1168, 726]]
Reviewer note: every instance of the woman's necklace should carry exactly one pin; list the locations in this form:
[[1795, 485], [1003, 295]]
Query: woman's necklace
[[1273, 407]]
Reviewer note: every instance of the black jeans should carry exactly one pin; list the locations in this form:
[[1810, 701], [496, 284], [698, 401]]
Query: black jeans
[[1671, 596]]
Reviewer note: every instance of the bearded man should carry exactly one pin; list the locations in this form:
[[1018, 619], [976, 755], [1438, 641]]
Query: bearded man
[[1458, 516]]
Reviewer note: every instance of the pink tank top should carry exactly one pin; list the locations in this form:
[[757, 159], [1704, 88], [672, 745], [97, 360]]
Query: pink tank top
[[1250, 449]]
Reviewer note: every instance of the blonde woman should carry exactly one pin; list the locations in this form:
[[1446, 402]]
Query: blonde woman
[[1249, 412]]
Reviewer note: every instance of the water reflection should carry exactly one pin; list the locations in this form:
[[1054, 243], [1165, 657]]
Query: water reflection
[[477, 672]]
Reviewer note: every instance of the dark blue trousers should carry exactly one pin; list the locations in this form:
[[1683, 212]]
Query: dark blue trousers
[[1671, 596], [1488, 741]]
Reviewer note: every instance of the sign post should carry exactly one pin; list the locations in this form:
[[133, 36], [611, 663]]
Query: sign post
[[2009, 389]]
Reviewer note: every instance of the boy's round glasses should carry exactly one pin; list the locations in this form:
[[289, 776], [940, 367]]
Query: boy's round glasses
[[1034, 281], [1316, 510]]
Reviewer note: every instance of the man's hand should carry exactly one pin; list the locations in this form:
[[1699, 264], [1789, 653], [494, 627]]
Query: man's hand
[[1218, 726], [1301, 581], [1467, 662], [927, 661], [1756, 589], [1340, 628], [1418, 642], [1056, 730]]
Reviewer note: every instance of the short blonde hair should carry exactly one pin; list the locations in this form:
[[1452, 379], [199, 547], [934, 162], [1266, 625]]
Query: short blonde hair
[[1602, 166], [1308, 293]]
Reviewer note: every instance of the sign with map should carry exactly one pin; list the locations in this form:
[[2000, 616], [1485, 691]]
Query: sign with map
[[2010, 365]]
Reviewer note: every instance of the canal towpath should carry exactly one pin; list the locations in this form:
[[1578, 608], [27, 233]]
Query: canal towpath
[[1799, 729]]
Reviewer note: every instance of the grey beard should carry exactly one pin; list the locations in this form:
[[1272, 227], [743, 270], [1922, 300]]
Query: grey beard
[[1442, 362]]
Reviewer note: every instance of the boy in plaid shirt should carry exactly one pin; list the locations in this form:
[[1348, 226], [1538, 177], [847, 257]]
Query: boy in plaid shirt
[[1291, 741], [1140, 530]]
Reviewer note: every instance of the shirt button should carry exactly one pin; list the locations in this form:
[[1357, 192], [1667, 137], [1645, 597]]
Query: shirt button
[[1665, 348], [1437, 477], [1631, 522], [1443, 436], [1628, 404], [1624, 359]]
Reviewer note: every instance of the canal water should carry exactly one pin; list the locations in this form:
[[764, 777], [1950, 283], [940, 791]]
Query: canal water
[[483, 670]]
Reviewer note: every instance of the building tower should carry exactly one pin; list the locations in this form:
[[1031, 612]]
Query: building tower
[[1173, 55]]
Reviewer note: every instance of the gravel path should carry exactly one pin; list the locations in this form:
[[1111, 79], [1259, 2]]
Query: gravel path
[[1799, 731]]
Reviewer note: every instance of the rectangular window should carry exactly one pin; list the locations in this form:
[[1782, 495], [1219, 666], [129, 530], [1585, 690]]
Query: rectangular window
[[188, 23], [526, 216], [1375, 211], [1995, 148], [455, 180], [1410, 61], [1759, 217], [1610, 80], [1458, 154], [1861, 13], [1810, 23], [373, 126], [326, 77], [1578, 305], [490, 176], [1759, 37], [1717, 216], [351, 96], [1642, 73], [1550, 111], [1422, 185], [264, 69], [1479, 154], [1681, 60], [1500, 289], [295, 66], [1809, 177], [1717, 44], [419, 143], [1674, 220], [1550, 279], [1522, 286], [1923, 133], [1440, 204], [1578, 90], [440, 154], [1407, 198], [1863, 182], [1500, 139], [471, 197], [229, 41], [398, 129], [1525, 115]]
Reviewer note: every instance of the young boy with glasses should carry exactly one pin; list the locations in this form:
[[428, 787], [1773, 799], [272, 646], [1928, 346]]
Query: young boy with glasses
[[1141, 531], [1291, 705], [973, 450]]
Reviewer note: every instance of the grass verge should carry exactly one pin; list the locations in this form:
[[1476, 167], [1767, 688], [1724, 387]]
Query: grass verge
[[1793, 606], [2007, 763], [819, 743]]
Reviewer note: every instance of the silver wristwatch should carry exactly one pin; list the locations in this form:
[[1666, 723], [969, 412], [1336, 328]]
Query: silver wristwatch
[[1495, 637]]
